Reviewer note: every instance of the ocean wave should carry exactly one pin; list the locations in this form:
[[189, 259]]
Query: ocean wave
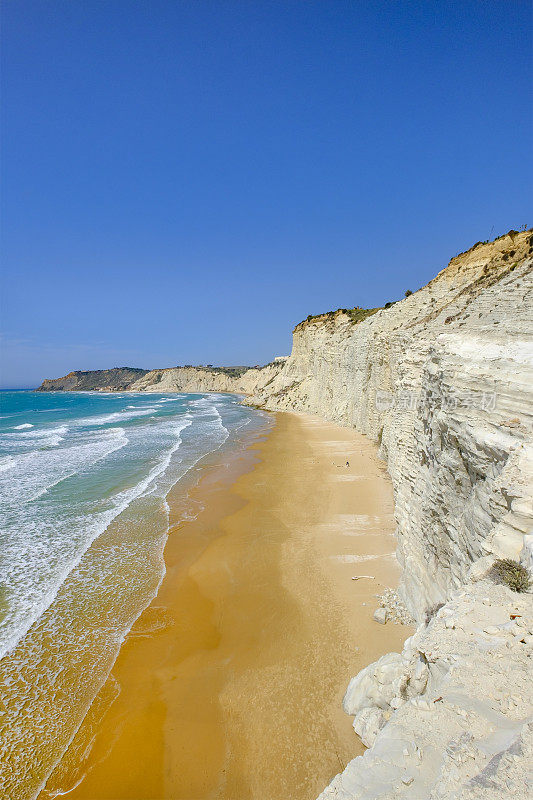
[[6, 462], [162, 466], [24, 425], [48, 437], [201, 402], [48, 533], [204, 442], [33, 472], [116, 416], [38, 535], [39, 434]]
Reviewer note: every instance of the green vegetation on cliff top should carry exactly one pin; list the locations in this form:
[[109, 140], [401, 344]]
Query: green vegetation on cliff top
[[355, 314]]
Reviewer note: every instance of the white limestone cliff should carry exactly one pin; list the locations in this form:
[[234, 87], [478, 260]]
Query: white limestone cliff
[[204, 379], [444, 382], [236, 380]]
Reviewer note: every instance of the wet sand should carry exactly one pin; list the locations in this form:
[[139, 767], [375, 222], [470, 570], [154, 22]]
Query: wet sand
[[230, 684]]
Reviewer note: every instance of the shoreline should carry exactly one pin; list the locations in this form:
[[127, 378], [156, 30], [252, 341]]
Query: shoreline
[[230, 683]]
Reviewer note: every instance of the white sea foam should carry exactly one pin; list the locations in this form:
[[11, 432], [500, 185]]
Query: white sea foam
[[38, 540], [116, 416], [57, 501], [39, 433], [34, 472], [215, 432], [24, 425], [46, 548], [46, 437]]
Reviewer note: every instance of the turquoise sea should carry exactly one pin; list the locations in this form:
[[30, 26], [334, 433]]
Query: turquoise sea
[[84, 519]]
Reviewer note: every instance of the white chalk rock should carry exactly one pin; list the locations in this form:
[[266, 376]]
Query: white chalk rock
[[373, 687], [492, 630], [480, 568], [381, 615], [368, 723]]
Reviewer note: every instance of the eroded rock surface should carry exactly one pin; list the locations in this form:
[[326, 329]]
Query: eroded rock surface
[[205, 379], [452, 715]]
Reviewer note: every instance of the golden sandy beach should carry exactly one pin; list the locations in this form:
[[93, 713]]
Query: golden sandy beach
[[230, 684]]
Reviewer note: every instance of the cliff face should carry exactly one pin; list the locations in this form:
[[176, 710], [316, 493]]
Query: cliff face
[[444, 382], [104, 380], [205, 379], [240, 380]]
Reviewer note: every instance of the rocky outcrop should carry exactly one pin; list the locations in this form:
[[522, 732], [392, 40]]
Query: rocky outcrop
[[104, 380], [443, 382], [451, 717]]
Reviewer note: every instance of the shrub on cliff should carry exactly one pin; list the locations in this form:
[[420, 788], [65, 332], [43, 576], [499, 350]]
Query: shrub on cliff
[[359, 314], [510, 572]]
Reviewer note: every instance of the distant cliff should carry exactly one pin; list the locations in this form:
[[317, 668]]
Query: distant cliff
[[241, 380], [103, 380]]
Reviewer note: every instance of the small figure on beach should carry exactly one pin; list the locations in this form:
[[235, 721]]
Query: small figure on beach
[[347, 463]]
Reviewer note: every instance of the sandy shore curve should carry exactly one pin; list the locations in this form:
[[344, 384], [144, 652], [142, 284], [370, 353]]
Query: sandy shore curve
[[230, 683]]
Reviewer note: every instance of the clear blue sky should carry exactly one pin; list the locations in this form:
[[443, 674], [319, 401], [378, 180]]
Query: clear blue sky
[[183, 182]]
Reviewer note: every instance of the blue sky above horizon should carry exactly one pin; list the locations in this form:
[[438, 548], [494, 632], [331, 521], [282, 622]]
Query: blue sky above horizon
[[183, 182]]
